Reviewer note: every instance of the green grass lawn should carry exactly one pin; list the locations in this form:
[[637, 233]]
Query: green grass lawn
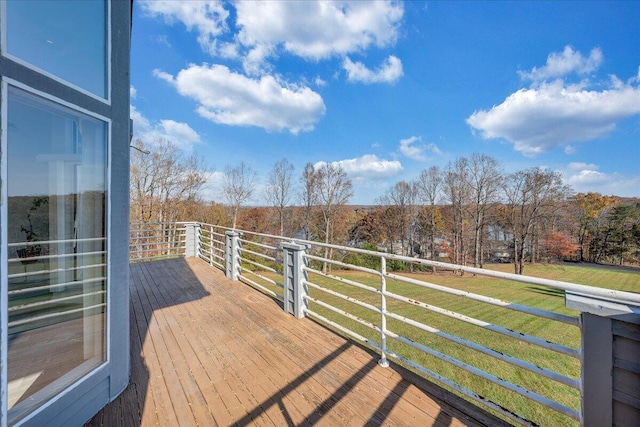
[[530, 295]]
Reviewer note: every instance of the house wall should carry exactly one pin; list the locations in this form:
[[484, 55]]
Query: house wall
[[81, 401], [626, 373], [610, 365]]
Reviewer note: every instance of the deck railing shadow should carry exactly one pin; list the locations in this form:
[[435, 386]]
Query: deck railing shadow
[[325, 406], [128, 408], [379, 415]]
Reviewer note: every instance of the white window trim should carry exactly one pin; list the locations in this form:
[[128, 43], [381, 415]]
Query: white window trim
[[4, 297], [59, 101], [4, 282], [6, 54]]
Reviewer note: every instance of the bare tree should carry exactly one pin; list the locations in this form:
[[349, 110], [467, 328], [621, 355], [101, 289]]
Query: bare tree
[[389, 216], [532, 195], [239, 184], [333, 189], [402, 196], [162, 180], [484, 179], [309, 196], [279, 192], [457, 191], [428, 191]]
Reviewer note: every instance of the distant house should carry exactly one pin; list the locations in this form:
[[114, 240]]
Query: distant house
[[64, 220], [504, 257]]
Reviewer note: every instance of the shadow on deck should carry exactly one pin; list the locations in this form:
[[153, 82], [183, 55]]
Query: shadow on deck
[[208, 351]]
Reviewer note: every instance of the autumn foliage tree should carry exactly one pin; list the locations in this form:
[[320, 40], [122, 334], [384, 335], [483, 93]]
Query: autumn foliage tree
[[559, 246], [589, 210]]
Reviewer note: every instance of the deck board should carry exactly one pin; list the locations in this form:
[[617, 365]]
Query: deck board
[[207, 351]]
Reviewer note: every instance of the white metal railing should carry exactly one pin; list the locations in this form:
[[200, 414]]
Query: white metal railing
[[255, 263], [391, 300], [211, 245], [149, 241], [54, 279], [386, 333]]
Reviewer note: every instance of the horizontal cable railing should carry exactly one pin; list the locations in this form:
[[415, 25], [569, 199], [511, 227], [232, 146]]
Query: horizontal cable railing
[[211, 245], [506, 355], [54, 280], [261, 263], [151, 241], [404, 312]]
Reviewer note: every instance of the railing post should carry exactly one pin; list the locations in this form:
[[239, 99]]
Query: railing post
[[610, 364], [232, 254], [295, 290], [383, 313], [211, 246], [192, 239]]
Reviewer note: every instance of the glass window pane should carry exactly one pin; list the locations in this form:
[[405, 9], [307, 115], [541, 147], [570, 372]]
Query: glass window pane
[[56, 232], [65, 38]]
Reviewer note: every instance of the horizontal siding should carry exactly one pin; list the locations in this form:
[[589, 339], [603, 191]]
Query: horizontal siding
[[626, 374], [626, 329], [625, 349], [626, 385], [625, 415]]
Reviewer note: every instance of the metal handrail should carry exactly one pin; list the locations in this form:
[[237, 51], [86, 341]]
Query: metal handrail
[[162, 240], [212, 249], [555, 284], [385, 332]]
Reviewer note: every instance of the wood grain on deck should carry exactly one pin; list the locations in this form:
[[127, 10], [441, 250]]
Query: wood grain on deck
[[207, 351]]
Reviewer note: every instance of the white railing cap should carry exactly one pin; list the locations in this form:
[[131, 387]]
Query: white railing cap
[[604, 307]]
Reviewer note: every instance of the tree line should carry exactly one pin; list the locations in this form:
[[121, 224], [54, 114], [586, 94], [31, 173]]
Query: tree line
[[468, 212]]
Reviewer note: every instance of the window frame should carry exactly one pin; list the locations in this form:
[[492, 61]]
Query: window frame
[[4, 52], [103, 368]]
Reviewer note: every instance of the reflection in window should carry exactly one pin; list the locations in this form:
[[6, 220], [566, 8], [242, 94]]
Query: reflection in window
[[65, 38], [56, 227]]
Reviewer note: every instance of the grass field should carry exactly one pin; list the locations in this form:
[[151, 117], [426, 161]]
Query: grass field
[[530, 295]]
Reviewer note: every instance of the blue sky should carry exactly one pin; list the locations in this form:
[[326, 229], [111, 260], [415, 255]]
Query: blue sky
[[388, 89]]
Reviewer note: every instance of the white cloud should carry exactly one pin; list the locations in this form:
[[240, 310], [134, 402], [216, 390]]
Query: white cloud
[[412, 152], [577, 173], [368, 166], [316, 29], [161, 39], [132, 92], [233, 99], [313, 30], [417, 152], [180, 134], [555, 114], [389, 72], [434, 148], [320, 82], [586, 177], [566, 62], [179, 131], [207, 18], [213, 189]]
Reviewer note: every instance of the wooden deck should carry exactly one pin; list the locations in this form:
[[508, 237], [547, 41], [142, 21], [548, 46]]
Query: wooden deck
[[207, 351]]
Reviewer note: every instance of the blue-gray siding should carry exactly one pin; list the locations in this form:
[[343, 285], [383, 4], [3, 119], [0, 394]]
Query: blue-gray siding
[[626, 374]]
